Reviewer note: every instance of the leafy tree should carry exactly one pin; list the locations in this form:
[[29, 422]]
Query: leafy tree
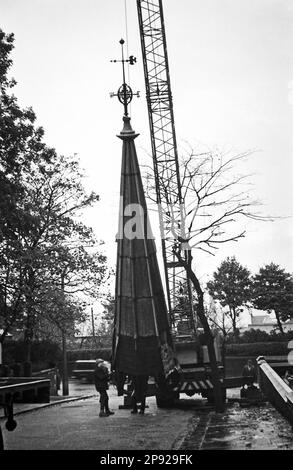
[[47, 256], [231, 286], [273, 291], [21, 145], [61, 249], [59, 252]]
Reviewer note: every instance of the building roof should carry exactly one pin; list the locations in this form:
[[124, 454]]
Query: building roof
[[266, 319], [263, 320]]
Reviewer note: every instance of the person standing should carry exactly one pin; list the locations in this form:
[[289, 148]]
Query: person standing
[[140, 385], [249, 372], [101, 380]]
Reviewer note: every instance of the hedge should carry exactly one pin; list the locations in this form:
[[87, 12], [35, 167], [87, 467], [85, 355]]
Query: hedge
[[86, 354], [42, 352], [243, 349], [257, 349], [259, 336]]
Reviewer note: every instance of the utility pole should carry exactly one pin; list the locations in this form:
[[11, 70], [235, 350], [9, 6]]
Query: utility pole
[[65, 386], [93, 326]]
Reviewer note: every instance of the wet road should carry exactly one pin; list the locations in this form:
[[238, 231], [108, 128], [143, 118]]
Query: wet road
[[76, 425], [255, 428]]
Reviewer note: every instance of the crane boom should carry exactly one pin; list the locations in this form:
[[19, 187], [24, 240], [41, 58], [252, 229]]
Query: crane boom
[[165, 156]]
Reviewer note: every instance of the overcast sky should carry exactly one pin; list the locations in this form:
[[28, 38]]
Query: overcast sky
[[231, 65]]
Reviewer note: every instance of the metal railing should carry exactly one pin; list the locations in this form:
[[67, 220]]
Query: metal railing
[[54, 377], [275, 389]]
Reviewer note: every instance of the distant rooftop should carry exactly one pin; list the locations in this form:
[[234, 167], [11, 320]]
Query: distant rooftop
[[263, 320], [266, 319]]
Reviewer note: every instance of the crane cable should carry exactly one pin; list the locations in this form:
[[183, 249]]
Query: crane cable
[[127, 49], [126, 33]]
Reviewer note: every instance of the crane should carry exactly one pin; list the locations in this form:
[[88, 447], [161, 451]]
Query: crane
[[165, 159]]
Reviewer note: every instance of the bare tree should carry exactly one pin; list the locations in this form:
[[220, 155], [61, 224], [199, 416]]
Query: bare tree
[[214, 199]]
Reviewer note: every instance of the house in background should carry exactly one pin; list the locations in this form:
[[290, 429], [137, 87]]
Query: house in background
[[265, 322]]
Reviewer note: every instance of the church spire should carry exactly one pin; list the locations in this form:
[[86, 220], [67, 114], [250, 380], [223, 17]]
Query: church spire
[[142, 337]]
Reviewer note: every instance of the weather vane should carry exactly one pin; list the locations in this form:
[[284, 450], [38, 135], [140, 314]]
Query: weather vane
[[125, 93]]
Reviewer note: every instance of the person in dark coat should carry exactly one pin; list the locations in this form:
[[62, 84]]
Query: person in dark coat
[[101, 379], [249, 372], [140, 385]]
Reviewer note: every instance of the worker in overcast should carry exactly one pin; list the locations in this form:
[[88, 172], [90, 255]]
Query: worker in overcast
[[249, 372], [140, 385], [101, 380]]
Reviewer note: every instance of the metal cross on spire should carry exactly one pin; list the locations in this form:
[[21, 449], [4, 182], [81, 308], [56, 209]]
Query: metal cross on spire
[[125, 93]]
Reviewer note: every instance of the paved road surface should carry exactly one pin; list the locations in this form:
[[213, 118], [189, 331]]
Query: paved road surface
[[76, 425]]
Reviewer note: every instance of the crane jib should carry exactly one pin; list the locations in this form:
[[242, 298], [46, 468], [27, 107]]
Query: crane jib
[[165, 156]]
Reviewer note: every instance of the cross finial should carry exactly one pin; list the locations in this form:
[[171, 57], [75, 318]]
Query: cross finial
[[124, 93]]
